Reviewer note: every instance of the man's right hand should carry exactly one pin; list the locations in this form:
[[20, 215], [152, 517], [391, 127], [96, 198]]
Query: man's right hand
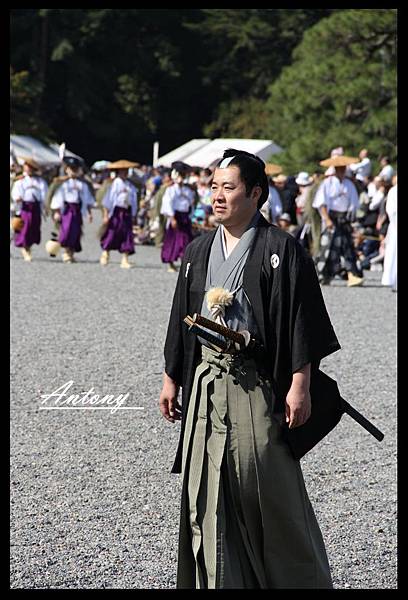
[[169, 407]]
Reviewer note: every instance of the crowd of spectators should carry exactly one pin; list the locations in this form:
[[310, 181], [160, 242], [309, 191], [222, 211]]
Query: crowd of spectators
[[289, 206]]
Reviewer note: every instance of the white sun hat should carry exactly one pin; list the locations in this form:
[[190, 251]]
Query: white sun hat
[[304, 179]]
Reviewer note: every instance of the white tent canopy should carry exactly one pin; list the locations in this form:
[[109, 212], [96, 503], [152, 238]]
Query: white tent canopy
[[24, 146], [203, 152], [181, 152]]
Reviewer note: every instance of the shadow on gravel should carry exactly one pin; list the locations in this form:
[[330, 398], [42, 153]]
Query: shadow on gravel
[[89, 262], [365, 285], [337, 284], [374, 285], [368, 285]]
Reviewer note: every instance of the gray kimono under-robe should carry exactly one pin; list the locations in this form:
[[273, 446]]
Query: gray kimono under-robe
[[246, 520]]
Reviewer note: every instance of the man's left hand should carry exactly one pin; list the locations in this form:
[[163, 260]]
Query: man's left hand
[[298, 407]]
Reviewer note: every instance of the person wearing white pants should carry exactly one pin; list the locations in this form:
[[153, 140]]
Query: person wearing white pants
[[389, 276]]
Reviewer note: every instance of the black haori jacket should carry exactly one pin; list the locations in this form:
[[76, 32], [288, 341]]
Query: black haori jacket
[[281, 282]]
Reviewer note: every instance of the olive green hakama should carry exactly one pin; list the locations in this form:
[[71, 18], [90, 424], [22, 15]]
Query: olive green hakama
[[250, 520]]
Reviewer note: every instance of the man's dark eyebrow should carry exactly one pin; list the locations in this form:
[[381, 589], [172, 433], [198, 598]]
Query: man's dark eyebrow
[[223, 182]]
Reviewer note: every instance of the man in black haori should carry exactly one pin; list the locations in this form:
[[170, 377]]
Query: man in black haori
[[246, 519]]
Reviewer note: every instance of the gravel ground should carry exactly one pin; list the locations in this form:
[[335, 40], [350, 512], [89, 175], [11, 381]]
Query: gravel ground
[[93, 503]]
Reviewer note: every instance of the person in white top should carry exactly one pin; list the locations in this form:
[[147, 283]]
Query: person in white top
[[337, 201], [119, 204], [71, 200], [177, 206], [387, 171], [377, 193], [28, 194], [362, 169], [304, 182], [389, 276]]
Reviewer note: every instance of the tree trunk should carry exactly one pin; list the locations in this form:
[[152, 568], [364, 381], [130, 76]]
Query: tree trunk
[[42, 72]]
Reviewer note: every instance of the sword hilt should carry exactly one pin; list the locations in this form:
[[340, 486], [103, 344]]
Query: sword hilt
[[235, 336]]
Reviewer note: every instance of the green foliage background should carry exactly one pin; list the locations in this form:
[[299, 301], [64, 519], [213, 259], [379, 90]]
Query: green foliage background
[[109, 82]]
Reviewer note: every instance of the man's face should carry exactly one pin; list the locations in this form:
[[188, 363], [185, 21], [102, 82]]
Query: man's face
[[71, 172], [340, 172], [28, 169], [283, 224], [230, 203]]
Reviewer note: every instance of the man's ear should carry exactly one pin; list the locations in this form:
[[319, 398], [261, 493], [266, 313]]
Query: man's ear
[[256, 192]]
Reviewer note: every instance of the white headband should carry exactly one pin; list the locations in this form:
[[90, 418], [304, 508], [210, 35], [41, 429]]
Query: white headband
[[225, 163]]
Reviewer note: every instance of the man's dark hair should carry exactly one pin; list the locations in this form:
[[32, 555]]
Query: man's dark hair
[[252, 170]]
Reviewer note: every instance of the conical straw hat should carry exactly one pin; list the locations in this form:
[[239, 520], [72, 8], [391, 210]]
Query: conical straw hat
[[272, 169], [30, 161], [338, 161], [122, 164]]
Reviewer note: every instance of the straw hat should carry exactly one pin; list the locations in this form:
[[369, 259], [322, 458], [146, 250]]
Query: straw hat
[[272, 169], [17, 224], [122, 164], [31, 162], [338, 161]]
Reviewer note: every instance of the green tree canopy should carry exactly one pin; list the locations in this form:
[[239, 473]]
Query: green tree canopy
[[340, 90], [246, 50], [24, 93], [110, 82]]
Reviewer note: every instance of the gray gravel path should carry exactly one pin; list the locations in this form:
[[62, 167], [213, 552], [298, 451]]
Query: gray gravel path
[[93, 503]]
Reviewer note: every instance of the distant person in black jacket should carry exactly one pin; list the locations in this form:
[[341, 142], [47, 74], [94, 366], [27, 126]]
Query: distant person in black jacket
[[288, 190]]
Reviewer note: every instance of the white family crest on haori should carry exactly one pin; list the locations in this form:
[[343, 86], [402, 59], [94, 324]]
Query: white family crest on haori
[[275, 261]]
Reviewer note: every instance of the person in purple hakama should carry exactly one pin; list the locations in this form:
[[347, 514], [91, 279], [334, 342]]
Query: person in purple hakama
[[71, 201], [28, 193], [177, 206], [119, 206]]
